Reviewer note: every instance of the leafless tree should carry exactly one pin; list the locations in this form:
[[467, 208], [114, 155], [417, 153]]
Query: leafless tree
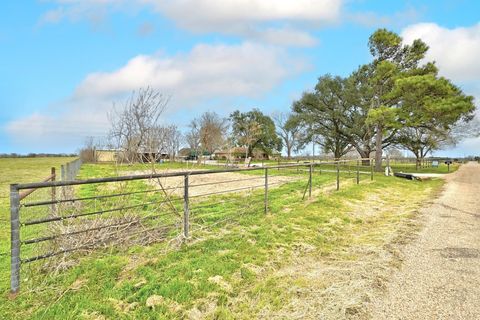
[[173, 139], [212, 131], [252, 130], [87, 153], [207, 133], [133, 126], [289, 130], [192, 137]]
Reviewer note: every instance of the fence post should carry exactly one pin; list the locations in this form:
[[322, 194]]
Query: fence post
[[310, 181], [338, 175], [265, 200], [388, 165], [371, 169], [62, 169], [67, 165], [358, 173], [14, 239], [54, 190], [186, 210]]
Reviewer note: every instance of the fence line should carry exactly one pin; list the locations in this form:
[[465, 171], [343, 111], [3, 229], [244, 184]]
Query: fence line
[[118, 209], [71, 169]]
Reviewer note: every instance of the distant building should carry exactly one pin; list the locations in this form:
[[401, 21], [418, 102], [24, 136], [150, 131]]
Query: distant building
[[106, 155], [185, 152]]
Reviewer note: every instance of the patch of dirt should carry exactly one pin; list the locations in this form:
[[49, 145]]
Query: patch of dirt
[[219, 281], [215, 182], [359, 209]]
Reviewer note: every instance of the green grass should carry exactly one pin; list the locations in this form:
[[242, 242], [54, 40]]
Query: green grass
[[18, 170], [411, 168], [227, 270]]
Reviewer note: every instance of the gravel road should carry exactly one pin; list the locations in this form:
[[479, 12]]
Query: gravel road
[[440, 274]]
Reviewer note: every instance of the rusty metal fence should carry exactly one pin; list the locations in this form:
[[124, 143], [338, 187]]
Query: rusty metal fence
[[70, 217]]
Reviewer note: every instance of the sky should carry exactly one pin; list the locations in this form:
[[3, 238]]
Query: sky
[[65, 63]]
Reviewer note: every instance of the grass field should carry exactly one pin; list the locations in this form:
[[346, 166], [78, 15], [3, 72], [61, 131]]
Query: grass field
[[329, 252], [18, 170]]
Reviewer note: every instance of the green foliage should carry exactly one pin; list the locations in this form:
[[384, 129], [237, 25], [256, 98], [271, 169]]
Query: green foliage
[[384, 115], [397, 99], [255, 130], [323, 112], [430, 107]]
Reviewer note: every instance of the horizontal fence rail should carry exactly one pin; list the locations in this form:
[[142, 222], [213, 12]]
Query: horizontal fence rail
[[84, 215]]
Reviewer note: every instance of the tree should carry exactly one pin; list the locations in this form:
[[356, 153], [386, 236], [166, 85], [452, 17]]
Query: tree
[[134, 126], [213, 130], [323, 113], [430, 107], [392, 60], [289, 130], [411, 104], [193, 137], [254, 130], [87, 153], [173, 139], [358, 96]]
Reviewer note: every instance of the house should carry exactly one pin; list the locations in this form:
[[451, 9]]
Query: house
[[185, 152]]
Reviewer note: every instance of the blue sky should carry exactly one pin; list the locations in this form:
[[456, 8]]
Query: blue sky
[[65, 62]]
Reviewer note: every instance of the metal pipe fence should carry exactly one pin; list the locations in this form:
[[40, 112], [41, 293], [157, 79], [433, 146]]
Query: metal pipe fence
[[85, 215]]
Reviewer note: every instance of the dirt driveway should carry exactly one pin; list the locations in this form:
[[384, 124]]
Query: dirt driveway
[[440, 276]]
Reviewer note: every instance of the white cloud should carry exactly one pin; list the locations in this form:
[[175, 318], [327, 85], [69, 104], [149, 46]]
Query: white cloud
[[251, 19], [53, 131], [94, 11], [284, 36], [456, 51], [206, 73], [280, 22], [212, 14]]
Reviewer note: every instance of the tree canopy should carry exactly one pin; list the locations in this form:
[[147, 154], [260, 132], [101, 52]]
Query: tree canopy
[[396, 99], [254, 130]]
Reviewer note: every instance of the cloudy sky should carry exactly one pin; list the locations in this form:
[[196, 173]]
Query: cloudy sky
[[65, 62]]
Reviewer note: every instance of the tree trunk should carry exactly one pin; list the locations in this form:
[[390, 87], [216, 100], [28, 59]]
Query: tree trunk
[[365, 155], [289, 152], [199, 159], [378, 148]]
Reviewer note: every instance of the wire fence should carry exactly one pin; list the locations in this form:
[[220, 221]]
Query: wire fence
[[65, 219], [69, 171]]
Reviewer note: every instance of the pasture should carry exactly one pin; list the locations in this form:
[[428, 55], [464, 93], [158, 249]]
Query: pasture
[[239, 261]]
